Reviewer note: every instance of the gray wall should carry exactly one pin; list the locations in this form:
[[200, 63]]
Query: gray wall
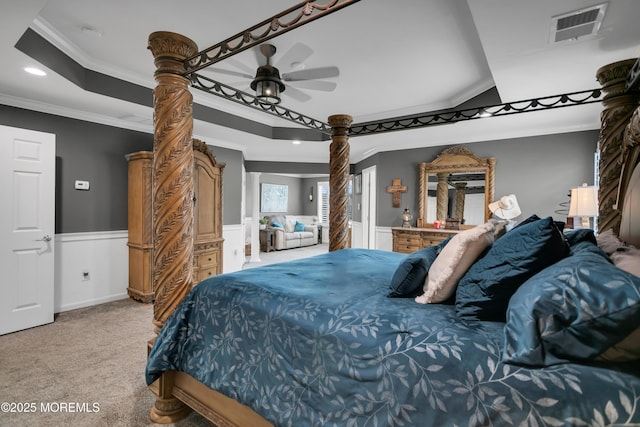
[[95, 152], [539, 170], [231, 183]]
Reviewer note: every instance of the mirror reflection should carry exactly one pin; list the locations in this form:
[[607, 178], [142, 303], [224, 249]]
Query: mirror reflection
[[462, 197], [456, 185]]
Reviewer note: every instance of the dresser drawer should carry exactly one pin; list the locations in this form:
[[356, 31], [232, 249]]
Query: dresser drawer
[[409, 239], [206, 260], [406, 249], [205, 273]]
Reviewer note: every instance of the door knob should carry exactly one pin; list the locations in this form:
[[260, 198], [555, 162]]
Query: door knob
[[46, 238]]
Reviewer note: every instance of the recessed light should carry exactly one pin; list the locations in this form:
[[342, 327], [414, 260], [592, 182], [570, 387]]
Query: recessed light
[[295, 142], [35, 71]]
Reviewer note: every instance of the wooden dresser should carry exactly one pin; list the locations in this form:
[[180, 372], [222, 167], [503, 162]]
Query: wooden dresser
[[407, 240], [207, 227]]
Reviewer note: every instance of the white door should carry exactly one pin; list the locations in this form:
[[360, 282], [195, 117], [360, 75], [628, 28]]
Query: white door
[[369, 208], [27, 221]]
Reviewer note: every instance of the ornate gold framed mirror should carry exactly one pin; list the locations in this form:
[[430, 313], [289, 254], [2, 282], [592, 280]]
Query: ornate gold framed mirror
[[456, 185]]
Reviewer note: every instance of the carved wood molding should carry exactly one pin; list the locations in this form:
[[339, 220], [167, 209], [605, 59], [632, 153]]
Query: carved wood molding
[[619, 105], [339, 182], [451, 160], [201, 146]]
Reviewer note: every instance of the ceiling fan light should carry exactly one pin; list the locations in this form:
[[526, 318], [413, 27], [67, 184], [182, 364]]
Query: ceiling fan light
[[267, 84]]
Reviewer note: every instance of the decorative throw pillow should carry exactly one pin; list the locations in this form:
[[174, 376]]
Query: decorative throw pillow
[[299, 226], [580, 235], [484, 291], [276, 224], [289, 225], [609, 242], [410, 275], [454, 260], [575, 310], [627, 259]]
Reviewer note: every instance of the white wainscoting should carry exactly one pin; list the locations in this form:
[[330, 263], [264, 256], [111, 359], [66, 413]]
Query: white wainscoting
[[384, 238], [356, 235], [105, 256], [233, 248]]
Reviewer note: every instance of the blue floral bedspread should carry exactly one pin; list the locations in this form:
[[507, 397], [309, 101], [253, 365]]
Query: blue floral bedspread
[[316, 342]]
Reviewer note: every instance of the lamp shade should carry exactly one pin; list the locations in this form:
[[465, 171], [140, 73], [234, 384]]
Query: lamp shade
[[584, 201]]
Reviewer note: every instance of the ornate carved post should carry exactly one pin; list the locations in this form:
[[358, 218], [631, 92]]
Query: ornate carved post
[[339, 182], [172, 195], [619, 105], [489, 186], [460, 195], [422, 195], [442, 197]]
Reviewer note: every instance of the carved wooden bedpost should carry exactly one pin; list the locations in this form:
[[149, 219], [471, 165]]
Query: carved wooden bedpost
[[619, 105], [442, 197], [172, 195], [339, 182], [423, 187]]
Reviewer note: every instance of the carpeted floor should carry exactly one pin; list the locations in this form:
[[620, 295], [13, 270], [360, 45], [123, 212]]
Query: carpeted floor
[[92, 358], [87, 367]]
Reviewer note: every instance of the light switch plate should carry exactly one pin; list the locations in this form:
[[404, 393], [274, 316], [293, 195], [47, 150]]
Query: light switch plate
[[82, 185]]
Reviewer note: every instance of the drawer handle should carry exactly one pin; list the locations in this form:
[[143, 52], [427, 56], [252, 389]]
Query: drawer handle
[[209, 259]]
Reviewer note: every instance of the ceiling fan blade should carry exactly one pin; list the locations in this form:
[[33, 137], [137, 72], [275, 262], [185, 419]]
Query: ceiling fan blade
[[296, 94], [311, 74], [231, 73], [321, 85], [297, 54], [240, 66]]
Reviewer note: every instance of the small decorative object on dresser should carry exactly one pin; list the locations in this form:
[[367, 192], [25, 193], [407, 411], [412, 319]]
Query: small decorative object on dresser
[[406, 218]]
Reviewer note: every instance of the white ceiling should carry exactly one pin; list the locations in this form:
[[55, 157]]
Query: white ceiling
[[395, 58]]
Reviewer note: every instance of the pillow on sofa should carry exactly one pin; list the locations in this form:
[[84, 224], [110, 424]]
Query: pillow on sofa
[[276, 224], [575, 310], [409, 277], [453, 261], [299, 226], [483, 292]]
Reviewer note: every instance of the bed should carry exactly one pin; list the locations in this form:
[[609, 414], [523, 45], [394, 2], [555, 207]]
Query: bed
[[345, 343]]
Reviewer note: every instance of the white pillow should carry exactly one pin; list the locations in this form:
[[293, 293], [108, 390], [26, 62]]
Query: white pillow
[[290, 225], [453, 261], [609, 242], [627, 260]]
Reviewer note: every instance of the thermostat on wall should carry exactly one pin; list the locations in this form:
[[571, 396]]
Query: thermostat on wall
[[82, 185]]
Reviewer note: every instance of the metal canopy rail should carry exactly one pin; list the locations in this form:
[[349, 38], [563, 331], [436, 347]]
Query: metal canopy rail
[[308, 11], [285, 21]]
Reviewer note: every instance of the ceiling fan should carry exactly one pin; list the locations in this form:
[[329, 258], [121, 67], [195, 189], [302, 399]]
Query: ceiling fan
[[267, 81]]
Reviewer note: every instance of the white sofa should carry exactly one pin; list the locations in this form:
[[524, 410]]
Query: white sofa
[[286, 237]]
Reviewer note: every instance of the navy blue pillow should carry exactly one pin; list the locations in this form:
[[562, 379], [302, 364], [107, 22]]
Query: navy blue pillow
[[580, 235], [484, 291], [574, 310], [408, 279]]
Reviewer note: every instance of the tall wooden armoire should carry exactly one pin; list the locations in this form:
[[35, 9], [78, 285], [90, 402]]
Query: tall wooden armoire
[[207, 226]]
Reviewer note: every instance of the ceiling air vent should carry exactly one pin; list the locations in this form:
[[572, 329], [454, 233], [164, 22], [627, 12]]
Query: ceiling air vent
[[577, 24]]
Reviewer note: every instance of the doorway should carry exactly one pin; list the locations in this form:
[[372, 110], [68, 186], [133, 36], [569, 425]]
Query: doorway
[[369, 207], [27, 167]]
